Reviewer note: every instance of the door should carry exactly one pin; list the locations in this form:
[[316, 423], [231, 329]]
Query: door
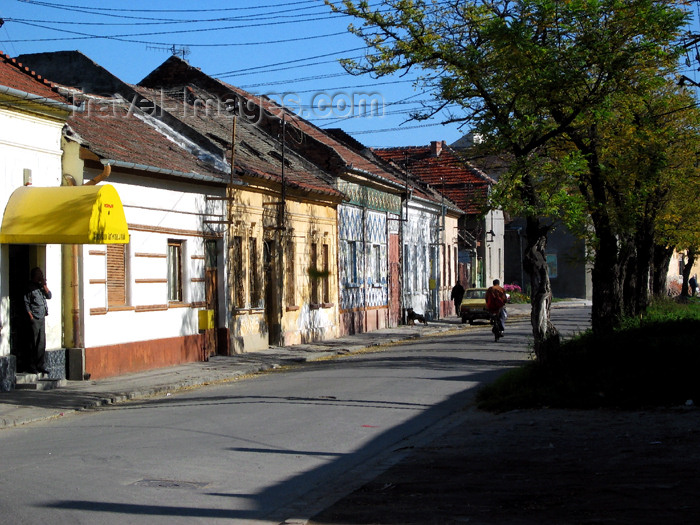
[[272, 308], [211, 280], [394, 286]]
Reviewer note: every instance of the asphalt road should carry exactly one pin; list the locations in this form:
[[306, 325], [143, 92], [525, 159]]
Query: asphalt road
[[275, 448]]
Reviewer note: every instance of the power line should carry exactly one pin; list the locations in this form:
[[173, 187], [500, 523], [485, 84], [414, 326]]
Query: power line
[[123, 38], [220, 9], [278, 19], [267, 66]]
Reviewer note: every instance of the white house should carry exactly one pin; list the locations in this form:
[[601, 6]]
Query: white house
[[32, 115], [160, 299]]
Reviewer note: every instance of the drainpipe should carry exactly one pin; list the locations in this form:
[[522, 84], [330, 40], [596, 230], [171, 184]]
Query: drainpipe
[[75, 289], [102, 176], [75, 286]]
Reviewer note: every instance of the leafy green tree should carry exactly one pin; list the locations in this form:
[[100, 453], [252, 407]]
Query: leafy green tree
[[637, 146], [525, 74], [678, 225]]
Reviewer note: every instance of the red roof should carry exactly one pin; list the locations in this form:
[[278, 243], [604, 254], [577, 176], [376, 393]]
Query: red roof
[[348, 157], [333, 156], [16, 76], [257, 153], [119, 135], [442, 168]]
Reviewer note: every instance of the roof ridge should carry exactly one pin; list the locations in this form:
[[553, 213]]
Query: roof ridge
[[25, 70]]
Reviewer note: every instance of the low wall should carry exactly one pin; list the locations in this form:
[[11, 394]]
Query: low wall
[[114, 360]]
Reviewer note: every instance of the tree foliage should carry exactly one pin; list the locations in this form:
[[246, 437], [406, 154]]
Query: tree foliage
[[566, 88]]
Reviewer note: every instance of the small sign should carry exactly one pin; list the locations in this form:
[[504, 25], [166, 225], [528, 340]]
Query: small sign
[[206, 319], [552, 265]]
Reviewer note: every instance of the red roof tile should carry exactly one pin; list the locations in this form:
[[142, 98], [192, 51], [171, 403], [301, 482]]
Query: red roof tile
[[324, 150], [16, 76], [122, 136], [257, 153], [460, 181]]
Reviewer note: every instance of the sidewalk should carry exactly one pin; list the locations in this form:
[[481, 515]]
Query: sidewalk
[[26, 406]]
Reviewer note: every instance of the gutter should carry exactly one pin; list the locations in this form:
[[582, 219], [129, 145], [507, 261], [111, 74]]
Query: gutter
[[433, 203], [164, 171], [378, 178], [5, 90]]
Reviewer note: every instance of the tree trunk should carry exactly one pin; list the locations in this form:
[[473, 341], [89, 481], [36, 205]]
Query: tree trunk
[[629, 277], [687, 267], [606, 312], [607, 274], [645, 255], [545, 334], [636, 261], [661, 260]]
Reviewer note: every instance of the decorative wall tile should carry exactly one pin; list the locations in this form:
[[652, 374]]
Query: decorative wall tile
[[363, 256]]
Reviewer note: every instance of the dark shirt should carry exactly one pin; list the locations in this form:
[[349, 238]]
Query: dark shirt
[[35, 300], [457, 292]]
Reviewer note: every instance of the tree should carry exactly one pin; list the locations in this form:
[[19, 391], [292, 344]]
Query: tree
[[524, 73], [678, 225]]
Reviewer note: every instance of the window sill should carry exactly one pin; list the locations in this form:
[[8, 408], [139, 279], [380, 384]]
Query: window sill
[[246, 311], [318, 306], [178, 304], [293, 308]]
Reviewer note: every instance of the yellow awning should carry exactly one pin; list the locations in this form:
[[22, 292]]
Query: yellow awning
[[64, 215]]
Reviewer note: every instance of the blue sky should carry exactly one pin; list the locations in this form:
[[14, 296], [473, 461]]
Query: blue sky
[[282, 48]]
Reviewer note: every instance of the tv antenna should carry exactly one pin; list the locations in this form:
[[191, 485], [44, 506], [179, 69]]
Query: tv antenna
[[181, 51]]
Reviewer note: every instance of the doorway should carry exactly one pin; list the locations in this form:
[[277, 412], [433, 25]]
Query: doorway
[[272, 312], [211, 280], [22, 258]]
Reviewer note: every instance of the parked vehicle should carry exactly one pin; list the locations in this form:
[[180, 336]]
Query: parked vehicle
[[474, 305]]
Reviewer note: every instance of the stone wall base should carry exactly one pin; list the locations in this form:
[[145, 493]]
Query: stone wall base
[[8, 369]]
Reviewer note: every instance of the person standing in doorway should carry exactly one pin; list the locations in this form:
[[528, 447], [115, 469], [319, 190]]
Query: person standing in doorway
[[457, 294], [496, 300], [35, 303]]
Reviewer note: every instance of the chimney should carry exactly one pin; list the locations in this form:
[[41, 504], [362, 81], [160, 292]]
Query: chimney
[[436, 147]]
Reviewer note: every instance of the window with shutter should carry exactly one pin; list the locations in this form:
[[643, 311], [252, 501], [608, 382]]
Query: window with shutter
[[116, 275], [326, 273], [174, 270], [314, 272], [291, 275]]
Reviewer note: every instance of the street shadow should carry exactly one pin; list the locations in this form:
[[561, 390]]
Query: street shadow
[[302, 493]]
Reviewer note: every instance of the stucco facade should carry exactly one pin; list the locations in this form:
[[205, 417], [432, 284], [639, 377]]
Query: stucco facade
[[284, 294], [168, 229], [30, 154]]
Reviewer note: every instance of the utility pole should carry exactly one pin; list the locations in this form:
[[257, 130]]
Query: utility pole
[[281, 229]]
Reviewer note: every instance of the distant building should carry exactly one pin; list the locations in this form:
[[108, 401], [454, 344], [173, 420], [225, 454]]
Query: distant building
[[567, 261], [479, 233]]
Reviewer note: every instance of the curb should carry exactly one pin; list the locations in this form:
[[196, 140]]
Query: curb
[[30, 410]]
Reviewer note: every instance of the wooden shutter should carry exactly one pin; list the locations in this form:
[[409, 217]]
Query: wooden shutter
[[326, 272], [314, 273], [116, 275], [291, 275]]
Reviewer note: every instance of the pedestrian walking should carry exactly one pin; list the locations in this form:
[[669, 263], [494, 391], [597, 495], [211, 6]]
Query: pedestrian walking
[[693, 283], [457, 295]]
